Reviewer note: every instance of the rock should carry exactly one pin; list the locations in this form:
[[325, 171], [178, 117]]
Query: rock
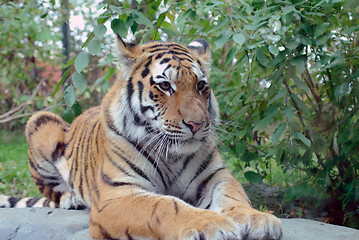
[[59, 224]]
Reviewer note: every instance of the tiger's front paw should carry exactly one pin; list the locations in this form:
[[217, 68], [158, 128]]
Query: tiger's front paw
[[211, 226], [258, 225]]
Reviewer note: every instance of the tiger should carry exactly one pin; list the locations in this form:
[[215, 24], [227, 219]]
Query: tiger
[[145, 162]]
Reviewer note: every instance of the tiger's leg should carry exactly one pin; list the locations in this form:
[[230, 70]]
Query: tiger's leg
[[225, 195], [128, 212], [45, 134]]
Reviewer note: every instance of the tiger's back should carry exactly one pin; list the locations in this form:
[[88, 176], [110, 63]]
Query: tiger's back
[[61, 158]]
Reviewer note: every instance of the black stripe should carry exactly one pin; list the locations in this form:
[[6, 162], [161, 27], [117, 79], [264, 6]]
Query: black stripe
[[32, 201], [110, 123], [158, 56], [178, 48], [165, 60], [202, 186], [201, 168], [133, 166], [185, 164], [90, 158], [58, 152], [165, 44], [47, 203], [175, 204], [140, 90], [56, 198], [45, 119], [75, 164], [168, 66], [128, 235], [145, 72], [115, 164], [84, 156], [152, 161], [152, 82], [106, 179], [13, 201], [130, 90], [103, 231], [96, 136], [204, 164]]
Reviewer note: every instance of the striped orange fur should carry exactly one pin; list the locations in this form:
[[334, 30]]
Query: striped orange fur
[[145, 161]]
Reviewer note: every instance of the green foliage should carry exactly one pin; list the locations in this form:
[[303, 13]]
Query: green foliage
[[15, 177], [27, 40]]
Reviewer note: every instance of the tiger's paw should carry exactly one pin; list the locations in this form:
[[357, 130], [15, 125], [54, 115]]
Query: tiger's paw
[[69, 201], [211, 226], [258, 225]]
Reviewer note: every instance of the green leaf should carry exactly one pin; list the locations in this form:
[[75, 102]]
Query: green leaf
[[299, 63], [292, 44], [116, 9], [320, 144], [248, 157], [239, 38], [240, 147], [79, 81], [301, 137], [289, 112], [261, 57], [320, 29], [253, 177], [140, 18], [69, 63], [324, 39], [223, 38], [70, 96], [300, 84], [288, 9], [100, 30], [82, 60], [351, 29], [341, 90], [300, 103], [230, 56], [68, 115], [94, 47], [220, 25], [281, 93], [119, 26], [278, 59], [77, 109], [58, 85], [263, 123], [273, 49], [278, 132]]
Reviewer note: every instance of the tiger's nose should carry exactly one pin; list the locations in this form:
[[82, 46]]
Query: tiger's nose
[[193, 126]]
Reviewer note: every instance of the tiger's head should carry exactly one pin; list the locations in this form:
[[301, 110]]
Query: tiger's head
[[163, 99]]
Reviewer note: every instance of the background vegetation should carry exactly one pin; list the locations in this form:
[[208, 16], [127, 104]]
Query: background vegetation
[[285, 73]]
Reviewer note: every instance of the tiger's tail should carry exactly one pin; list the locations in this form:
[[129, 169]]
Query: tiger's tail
[[25, 202]]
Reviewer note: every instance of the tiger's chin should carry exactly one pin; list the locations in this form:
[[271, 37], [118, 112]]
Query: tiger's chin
[[187, 147]]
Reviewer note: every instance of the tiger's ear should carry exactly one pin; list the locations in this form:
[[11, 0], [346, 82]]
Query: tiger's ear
[[201, 50], [127, 52]]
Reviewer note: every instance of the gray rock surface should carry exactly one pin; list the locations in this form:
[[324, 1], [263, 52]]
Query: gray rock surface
[[59, 224]]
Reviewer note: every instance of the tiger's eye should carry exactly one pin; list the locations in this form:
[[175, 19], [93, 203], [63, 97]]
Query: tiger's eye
[[201, 85], [165, 86]]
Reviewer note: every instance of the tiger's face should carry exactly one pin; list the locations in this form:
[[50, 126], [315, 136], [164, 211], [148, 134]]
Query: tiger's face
[[166, 100]]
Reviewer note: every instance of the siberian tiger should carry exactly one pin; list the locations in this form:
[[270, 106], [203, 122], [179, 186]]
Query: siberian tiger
[[145, 161]]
